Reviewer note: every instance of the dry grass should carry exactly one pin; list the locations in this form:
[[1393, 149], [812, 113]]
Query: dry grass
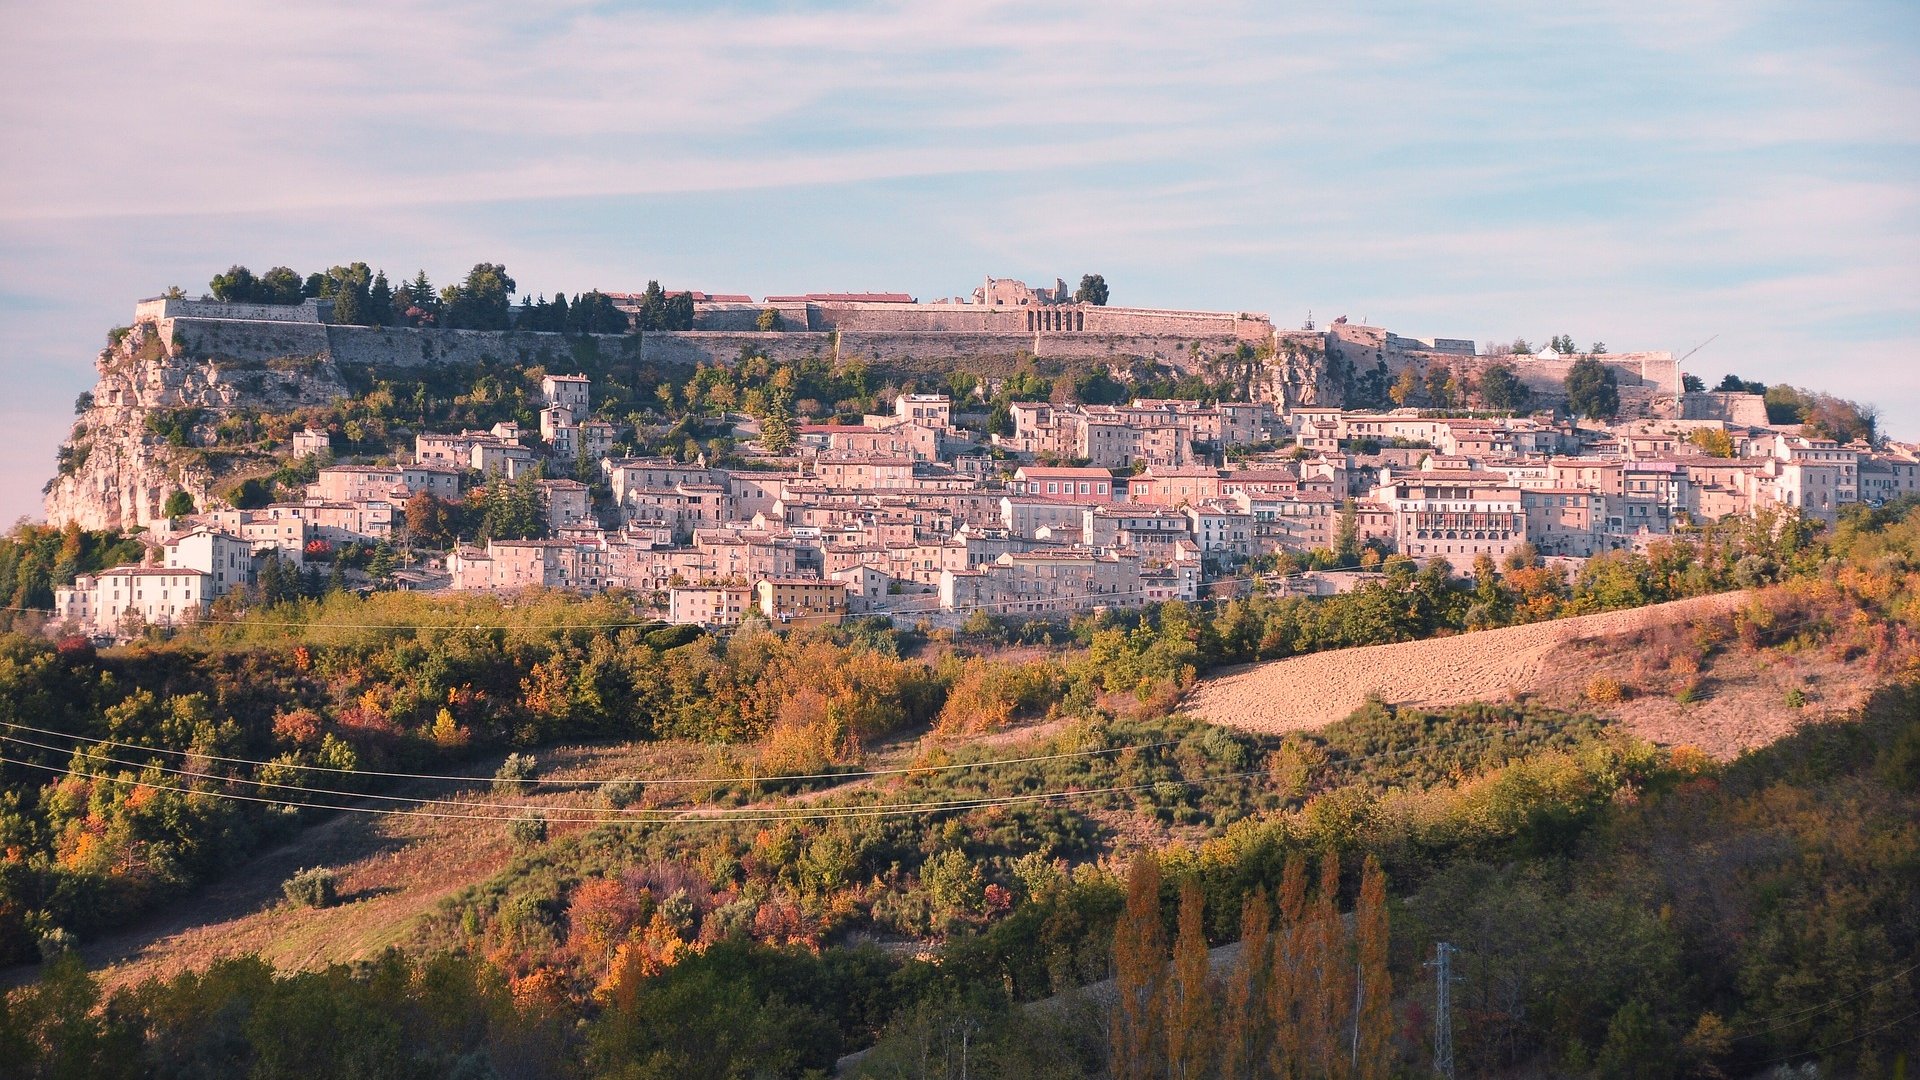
[[1694, 680], [1312, 691]]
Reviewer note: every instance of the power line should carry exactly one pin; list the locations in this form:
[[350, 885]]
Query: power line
[[848, 775], [1815, 1010], [1852, 1039], [197, 775], [762, 814], [634, 816]]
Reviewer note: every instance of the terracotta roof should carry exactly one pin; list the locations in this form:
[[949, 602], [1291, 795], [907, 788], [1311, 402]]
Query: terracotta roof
[[845, 298]]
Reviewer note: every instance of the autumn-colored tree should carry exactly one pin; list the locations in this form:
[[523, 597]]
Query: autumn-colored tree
[[1140, 973], [1329, 997], [1288, 987], [1189, 1002], [1245, 1023], [1405, 387], [1373, 1019]]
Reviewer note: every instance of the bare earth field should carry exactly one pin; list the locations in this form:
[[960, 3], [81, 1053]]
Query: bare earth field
[[1741, 703]]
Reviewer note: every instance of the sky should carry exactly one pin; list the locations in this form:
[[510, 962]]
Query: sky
[[1650, 173]]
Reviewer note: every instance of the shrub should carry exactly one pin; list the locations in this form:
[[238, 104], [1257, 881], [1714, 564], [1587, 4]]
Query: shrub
[[314, 887], [1689, 693], [1796, 698], [1602, 690], [510, 778], [529, 829], [621, 794], [55, 943]]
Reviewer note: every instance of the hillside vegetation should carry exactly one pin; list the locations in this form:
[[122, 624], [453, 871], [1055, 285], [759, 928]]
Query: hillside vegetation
[[1621, 908]]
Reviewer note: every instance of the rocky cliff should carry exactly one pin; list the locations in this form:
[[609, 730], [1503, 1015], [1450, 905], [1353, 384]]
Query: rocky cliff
[[149, 428]]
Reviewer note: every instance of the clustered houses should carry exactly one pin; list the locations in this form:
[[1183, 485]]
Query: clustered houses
[[1152, 432], [906, 514]]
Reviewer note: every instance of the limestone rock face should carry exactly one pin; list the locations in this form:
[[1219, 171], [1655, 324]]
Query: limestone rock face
[[117, 471], [1298, 376]]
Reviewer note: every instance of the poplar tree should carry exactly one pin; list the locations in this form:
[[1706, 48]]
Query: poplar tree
[[1329, 995], [1288, 978], [1139, 963], [1246, 1023], [1373, 1020], [1189, 1003]]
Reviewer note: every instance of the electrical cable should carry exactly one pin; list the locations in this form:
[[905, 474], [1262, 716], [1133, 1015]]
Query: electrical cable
[[846, 775]]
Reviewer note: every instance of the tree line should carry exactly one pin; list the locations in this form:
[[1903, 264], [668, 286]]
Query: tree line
[[483, 300]]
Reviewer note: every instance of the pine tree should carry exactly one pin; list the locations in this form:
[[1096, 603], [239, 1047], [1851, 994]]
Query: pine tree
[[1189, 1002], [1139, 963], [1373, 1024], [380, 300], [1246, 1021]]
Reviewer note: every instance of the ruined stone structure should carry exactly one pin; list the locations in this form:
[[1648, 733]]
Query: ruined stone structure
[[1649, 382]]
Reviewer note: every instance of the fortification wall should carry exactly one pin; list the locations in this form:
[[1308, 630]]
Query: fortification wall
[[876, 318], [310, 311], [248, 341], [1749, 410], [406, 347], [710, 346], [1242, 326], [912, 318], [258, 341], [746, 317]]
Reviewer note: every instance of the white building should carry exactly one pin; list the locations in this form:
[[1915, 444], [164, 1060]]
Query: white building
[[225, 559], [571, 391], [119, 600]]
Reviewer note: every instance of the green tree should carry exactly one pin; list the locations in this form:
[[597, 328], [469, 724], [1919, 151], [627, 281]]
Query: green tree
[[777, 423], [1092, 290], [1692, 384], [1592, 390], [179, 504], [415, 303], [768, 321], [1501, 388], [353, 304], [380, 296], [237, 285], [483, 301]]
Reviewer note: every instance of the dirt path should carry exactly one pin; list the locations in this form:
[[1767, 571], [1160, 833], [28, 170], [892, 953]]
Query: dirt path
[[1312, 691]]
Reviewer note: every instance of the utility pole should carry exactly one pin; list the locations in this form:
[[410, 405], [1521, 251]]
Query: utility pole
[[1442, 965]]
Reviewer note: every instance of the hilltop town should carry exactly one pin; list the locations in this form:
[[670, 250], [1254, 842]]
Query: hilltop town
[[1027, 452]]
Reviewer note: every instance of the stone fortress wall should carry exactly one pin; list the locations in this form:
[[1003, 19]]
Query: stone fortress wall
[[161, 308], [934, 333], [856, 317]]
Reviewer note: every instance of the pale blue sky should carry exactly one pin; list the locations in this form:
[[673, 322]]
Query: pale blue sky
[[1649, 173]]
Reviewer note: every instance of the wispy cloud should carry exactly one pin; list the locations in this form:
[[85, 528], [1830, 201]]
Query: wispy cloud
[[1646, 171]]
